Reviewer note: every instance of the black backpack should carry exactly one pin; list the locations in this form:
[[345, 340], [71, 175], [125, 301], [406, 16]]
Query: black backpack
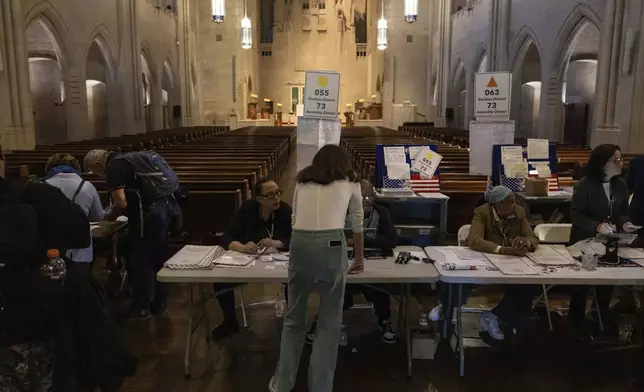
[[155, 178], [19, 232]]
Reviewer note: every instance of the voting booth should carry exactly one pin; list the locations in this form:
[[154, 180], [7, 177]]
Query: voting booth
[[408, 182], [318, 125]]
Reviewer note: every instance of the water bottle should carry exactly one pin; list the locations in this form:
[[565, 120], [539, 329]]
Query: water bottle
[[55, 269], [280, 304]]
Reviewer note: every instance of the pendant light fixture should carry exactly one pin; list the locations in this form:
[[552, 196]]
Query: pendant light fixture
[[246, 32], [381, 40], [411, 11], [218, 11]]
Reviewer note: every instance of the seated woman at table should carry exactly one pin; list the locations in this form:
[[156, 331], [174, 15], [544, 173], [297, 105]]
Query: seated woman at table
[[500, 226], [599, 205], [263, 222]]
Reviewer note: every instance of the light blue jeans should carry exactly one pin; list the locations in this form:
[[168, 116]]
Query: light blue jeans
[[317, 258]]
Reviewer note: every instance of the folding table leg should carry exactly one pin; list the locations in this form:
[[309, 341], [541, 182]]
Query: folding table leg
[[545, 297], [599, 312], [448, 311], [188, 354], [202, 303], [459, 326]]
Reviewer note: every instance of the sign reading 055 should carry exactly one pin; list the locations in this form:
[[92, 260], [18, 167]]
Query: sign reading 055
[[321, 94]]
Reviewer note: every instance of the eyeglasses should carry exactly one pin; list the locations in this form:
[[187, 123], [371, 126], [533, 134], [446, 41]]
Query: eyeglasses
[[368, 197], [272, 195], [618, 160]]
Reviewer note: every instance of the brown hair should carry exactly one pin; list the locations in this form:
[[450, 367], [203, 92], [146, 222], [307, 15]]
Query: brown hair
[[329, 164], [60, 159]]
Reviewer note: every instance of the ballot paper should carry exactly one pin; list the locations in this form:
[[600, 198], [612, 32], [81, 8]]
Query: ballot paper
[[395, 154], [451, 256], [546, 255], [512, 265], [538, 149], [543, 170], [194, 257], [398, 171], [467, 253], [235, 259], [631, 253], [511, 153], [516, 169]]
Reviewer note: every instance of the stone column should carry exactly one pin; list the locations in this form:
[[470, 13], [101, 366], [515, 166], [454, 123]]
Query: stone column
[[16, 129], [497, 58], [185, 78], [606, 131], [444, 54]]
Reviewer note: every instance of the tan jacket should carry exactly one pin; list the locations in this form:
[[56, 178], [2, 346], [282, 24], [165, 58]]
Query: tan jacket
[[486, 232]]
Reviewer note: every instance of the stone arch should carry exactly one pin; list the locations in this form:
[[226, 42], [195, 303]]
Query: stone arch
[[481, 58], [50, 58], [169, 93], [457, 94], [151, 89], [103, 39], [522, 43]]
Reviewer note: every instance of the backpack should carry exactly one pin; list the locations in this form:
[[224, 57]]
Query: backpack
[[19, 231], [155, 178]]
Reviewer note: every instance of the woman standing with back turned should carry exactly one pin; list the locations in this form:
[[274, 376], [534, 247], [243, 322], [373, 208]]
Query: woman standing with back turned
[[324, 193]]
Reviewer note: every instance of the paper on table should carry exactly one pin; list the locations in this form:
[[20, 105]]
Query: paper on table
[[194, 257], [427, 162], [394, 155], [467, 253], [452, 257], [563, 250], [511, 153], [398, 171], [543, 170], [538, 149], [545, 255], [511, 265], [516, 169], [413, 151], [94, 227], [631, 253]]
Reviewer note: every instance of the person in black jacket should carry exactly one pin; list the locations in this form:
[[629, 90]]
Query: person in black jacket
[[599, 205], [635, 182], [385, 237], [261, 223]]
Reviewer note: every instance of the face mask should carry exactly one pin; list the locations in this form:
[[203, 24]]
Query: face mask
[[611, 169]]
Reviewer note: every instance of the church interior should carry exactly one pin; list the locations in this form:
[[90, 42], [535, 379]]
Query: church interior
[[217, 87]]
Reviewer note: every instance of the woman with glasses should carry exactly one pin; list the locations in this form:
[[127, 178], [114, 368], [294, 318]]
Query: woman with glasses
[[260, 224], [325, 193], [599, 205]]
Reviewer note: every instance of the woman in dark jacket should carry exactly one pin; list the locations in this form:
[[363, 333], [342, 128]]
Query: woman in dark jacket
[[599, 203]]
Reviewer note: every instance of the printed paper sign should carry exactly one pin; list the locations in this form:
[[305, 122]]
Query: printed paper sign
[[427, 162]]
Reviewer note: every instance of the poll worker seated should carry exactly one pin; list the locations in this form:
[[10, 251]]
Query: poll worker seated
[[375, 217], [500, 226], [261, 223], [599, 205]]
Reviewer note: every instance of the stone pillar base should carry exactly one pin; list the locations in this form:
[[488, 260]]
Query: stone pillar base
[[605, 134], [18, 138]]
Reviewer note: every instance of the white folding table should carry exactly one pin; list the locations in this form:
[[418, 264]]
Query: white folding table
[[602, 276], [376, 271]]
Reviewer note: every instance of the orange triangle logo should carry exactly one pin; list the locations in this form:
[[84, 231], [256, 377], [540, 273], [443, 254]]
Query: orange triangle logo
[[492, 83]]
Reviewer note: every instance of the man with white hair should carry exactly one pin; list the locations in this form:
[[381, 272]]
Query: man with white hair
[[142, 186]]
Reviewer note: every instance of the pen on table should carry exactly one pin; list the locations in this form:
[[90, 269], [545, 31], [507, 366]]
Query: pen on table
[[454, 267]]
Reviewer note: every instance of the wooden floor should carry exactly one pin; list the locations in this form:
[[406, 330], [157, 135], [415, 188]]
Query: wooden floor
[[538, 361]]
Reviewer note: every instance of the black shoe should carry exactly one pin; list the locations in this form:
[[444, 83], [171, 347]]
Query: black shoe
[[160, 307], [310, 336], [387, 332], [224, 330], [139, 314]]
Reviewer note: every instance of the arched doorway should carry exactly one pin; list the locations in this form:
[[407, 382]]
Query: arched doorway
[[578, 90], [457, 98], [530, 97], [46, 77], [146, 91], [168, 98], [97, 79]]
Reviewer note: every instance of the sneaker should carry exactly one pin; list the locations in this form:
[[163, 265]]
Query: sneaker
[[387, 332], [436, 314], [139, 314], [310, 336], [344, 339], [490, 323], [272, 385], [224, 330]]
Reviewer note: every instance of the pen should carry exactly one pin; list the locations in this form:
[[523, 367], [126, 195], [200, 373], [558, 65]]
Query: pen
[[454, 267]]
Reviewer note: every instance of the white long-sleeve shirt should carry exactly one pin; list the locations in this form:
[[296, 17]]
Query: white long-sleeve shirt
[[325, 207]]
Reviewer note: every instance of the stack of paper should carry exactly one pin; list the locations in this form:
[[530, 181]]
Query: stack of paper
[[549, 256], [512, 265], [463, 257], [235, 259], [194, 257]]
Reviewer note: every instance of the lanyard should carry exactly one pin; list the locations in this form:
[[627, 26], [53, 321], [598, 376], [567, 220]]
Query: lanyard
[[272, 219]]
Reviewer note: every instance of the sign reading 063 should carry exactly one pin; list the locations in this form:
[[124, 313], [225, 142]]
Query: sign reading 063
[[492, 94], [321, 94]]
